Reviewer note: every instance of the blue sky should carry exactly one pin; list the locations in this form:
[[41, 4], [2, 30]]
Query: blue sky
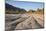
[[25, 5]]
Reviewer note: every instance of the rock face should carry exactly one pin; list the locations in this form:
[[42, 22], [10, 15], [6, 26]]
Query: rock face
[[13, 10]]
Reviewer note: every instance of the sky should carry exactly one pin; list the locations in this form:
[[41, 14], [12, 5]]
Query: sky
[[25, 4]]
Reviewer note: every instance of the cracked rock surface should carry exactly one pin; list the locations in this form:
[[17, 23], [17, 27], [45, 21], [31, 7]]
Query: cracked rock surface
[[23, 22]]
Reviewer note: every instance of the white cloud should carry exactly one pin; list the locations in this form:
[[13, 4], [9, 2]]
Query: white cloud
[[30, 0], [16, 0]]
